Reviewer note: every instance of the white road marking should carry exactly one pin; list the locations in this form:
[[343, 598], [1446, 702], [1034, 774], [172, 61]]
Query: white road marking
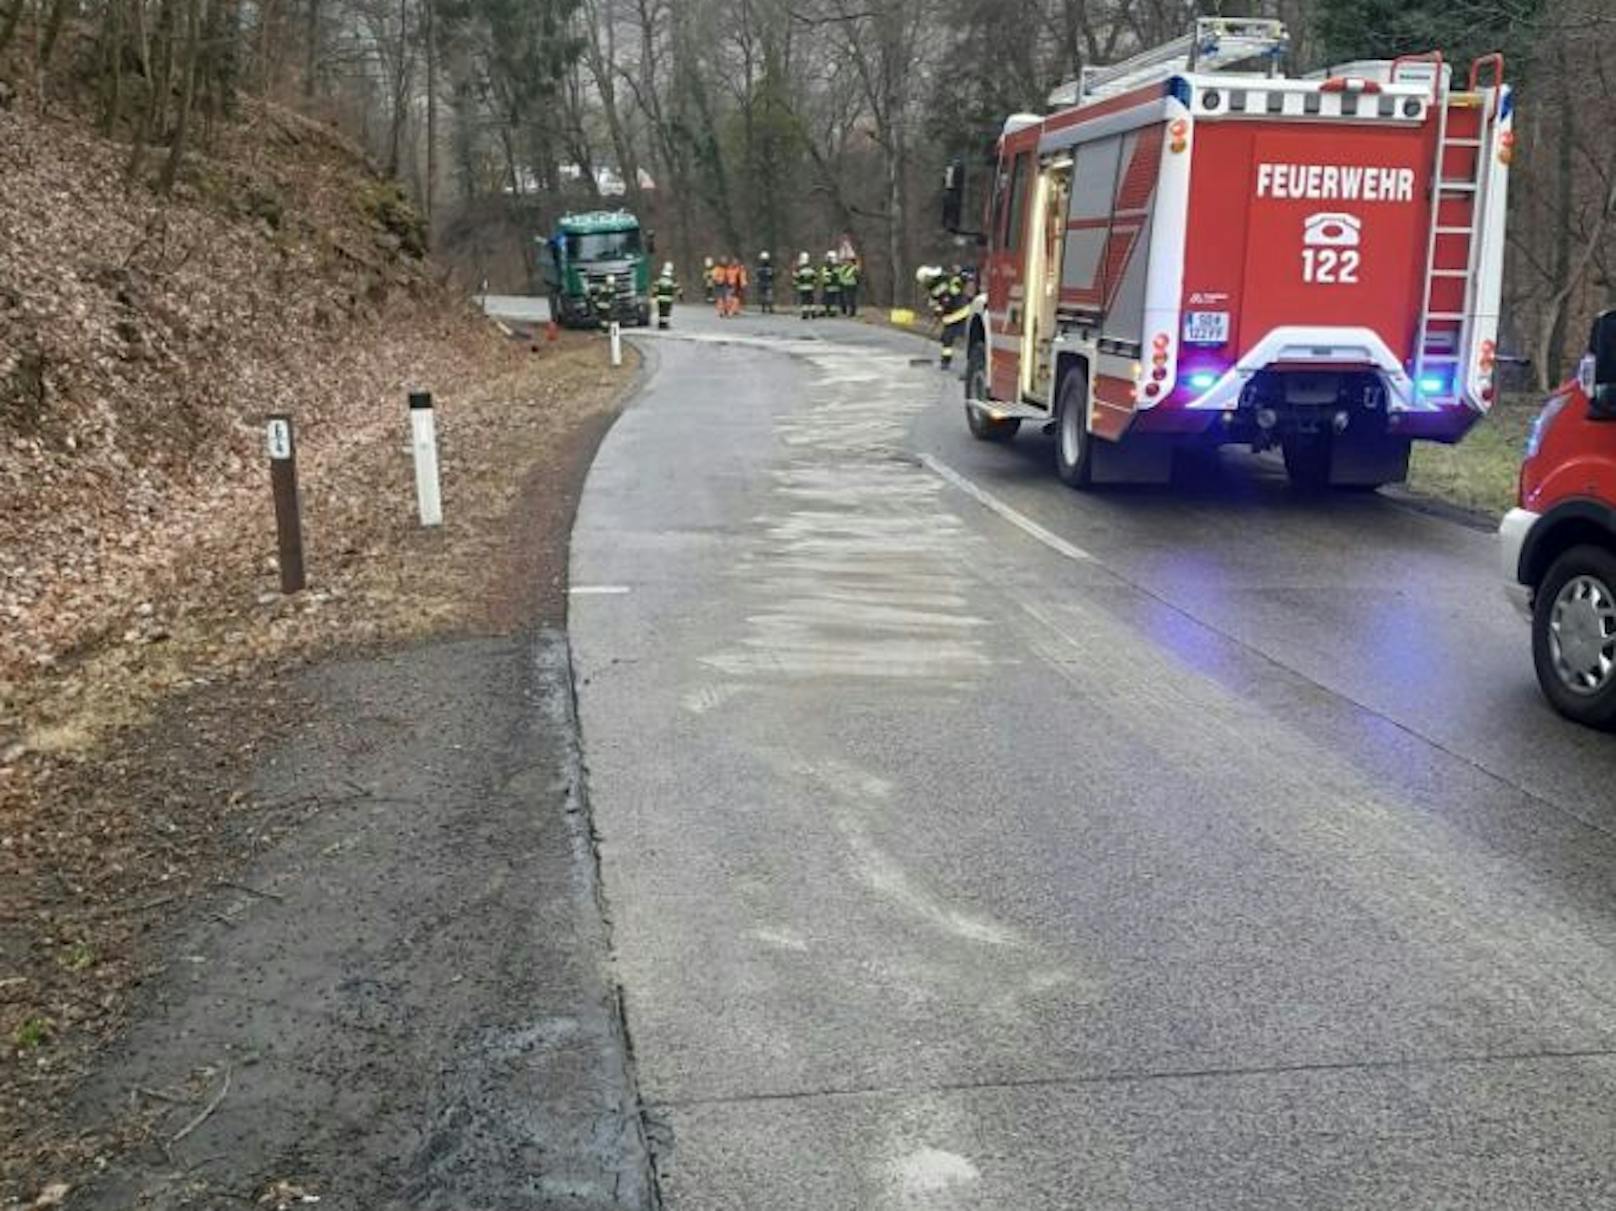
[[785, 939], [597, 590], [1009, 512], [928, 1170]]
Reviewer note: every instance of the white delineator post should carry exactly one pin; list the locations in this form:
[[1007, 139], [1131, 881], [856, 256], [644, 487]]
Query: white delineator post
[[424, 443], [616, 334]]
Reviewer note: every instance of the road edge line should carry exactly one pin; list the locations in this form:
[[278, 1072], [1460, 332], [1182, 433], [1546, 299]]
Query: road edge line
[[1007, 511]]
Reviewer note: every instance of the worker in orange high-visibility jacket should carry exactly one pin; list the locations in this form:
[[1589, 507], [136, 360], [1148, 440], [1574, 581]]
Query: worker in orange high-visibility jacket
[[739, 281], [721, 287]]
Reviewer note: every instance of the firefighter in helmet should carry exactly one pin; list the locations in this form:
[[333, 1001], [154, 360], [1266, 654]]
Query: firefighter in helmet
[[950, 303], [664, 290], [806, 279], [603, 299], [830, 285], [765, 283]]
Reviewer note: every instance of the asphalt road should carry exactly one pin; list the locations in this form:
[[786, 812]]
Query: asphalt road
[[970, 842]]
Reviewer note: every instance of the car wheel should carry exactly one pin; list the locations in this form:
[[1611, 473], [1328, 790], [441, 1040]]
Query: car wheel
[[1574, 636], [982, 426], [1074, 447]]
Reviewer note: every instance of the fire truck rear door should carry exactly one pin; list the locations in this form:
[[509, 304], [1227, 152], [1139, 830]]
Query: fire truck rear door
[[1335, 235]]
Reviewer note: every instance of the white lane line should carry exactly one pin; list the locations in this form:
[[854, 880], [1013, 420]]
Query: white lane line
[[1011, 514], [597, 590]]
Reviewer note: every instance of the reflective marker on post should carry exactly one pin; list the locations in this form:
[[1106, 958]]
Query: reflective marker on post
[[424, 442], [616, 334], [283, 483]]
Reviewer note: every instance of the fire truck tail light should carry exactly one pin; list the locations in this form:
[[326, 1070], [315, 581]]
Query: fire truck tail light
[[1162, 341], [1152, 389], [1159, 373], [1487, 395]]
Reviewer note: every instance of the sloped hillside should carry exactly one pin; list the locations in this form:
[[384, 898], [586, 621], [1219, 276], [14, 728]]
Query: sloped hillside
[[142, 340], [146, 656]]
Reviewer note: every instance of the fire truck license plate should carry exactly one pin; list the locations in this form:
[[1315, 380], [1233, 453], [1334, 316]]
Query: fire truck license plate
[[1206, 327]]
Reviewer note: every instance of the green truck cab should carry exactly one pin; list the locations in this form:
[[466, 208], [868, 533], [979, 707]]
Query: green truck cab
[[584, 250]]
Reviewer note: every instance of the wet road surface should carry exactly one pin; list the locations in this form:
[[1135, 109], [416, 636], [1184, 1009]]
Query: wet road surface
[[970, 842]]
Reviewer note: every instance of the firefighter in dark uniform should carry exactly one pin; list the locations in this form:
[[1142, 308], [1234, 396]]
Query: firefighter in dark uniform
[[950, 303], [664, 290], [830, 285], [602, 299], [806, 280], [765, 283]]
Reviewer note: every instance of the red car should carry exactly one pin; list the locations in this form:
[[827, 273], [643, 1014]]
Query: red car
[[1559, 543]]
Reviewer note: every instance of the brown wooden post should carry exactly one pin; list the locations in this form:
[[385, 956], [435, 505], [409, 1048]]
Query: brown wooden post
[[288, 520]]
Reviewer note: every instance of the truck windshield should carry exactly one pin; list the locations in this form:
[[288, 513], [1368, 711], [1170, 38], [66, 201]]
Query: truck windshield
[[603, 245]]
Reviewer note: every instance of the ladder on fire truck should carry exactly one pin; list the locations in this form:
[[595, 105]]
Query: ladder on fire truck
[[1460, 181], [1215, 44]]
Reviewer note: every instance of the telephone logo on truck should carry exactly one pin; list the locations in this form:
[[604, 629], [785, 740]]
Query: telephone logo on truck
[[1331, 230], [1330, 255]]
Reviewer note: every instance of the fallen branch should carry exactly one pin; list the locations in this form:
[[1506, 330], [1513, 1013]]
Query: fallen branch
[[146, 907], [206, 1110], [158, 1096], [253, 891]]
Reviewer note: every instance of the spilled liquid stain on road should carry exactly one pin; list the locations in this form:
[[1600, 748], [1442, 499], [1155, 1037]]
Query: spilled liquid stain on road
[[855, 566]]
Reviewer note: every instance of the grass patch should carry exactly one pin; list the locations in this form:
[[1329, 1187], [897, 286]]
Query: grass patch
[[34, 1033], [77, 956], [1481, 471]]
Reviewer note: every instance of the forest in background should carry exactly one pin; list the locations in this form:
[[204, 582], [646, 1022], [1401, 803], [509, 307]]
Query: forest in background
[[737, 125]]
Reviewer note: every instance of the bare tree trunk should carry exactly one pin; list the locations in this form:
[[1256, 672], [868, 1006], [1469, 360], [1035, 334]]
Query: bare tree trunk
[[400, 90], [53, 30], [213, 59], [1551, 368], [112, 33], [311, 49], [266, 21], [1554, 312], [142, 38], [894, 223], [600, 47], [176, 149], [13, 18], [157, 88], [431, 35]]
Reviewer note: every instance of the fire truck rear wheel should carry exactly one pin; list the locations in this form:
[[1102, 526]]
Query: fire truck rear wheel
[[1574, 636], [1074, 450], [1307, 463], [982, 426]]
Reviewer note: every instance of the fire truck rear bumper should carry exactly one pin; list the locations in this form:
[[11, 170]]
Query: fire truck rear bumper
[[1316, 349]]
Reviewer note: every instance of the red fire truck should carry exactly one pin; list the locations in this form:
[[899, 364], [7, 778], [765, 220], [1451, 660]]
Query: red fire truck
[[1195, 248]]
